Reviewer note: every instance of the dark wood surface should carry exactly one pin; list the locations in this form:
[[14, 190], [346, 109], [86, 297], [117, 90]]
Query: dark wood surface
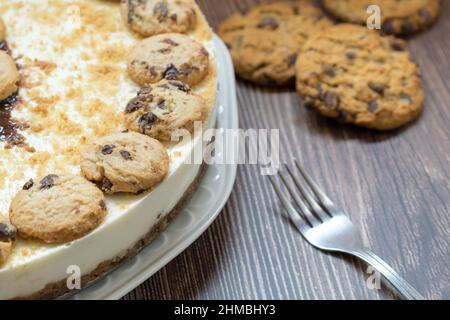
[[395, 187]]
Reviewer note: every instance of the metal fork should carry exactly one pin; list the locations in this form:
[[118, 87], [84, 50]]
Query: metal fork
[[327, 228]]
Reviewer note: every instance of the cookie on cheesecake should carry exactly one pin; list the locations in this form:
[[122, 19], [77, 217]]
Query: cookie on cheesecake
[[357, 76], [400, 17], [151, 17], [159, 110], [57, 208], [264, 43], [9, 76], [125, 162], [170, 56]]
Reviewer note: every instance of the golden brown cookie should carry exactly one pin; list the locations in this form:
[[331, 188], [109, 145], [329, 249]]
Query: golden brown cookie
[[357, 76], [151, 17], [170, 56], [125, 162], [57, 209], [9, 76], [399, 17], [265, 42], [159, 110]]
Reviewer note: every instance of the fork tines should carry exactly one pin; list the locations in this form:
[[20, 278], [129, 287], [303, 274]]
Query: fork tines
[[311, 202]]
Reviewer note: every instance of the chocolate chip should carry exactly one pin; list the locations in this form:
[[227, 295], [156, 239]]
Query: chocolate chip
[[153, 71], [260, 66], [292, 60], [28, 185], [48, 182], [377, 87], [7, 232], [162, 104], [102, 204], [332, 100], [126, 155], [170, 42], [180, 86], [269, 22], [204, 52], [350, 55], [407, 28], [108, 149], [398, 44], [4, 47], [165, 50], [106, 184], [147, 120], [424, 13], [171, 72], [373, 105], [161, 10], [131, 9], [388, 27], [174, 17], [134, 105], [329, 71]]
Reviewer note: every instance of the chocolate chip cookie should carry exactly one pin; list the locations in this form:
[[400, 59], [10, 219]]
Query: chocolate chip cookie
[[57, 208], [357, 76], [161, 109], [125, 162], [400, 17], [151, 17], [170, 56], [265, 42], [9, 76]]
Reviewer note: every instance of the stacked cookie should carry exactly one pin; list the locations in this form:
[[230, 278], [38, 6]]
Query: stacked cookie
[[345, 71], [400, 17], [166, 63], [265, 42]]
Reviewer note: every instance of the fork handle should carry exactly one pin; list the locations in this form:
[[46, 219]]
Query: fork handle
[[403, 287]]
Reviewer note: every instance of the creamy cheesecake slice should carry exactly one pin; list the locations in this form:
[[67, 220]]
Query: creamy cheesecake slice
[[74, 87]]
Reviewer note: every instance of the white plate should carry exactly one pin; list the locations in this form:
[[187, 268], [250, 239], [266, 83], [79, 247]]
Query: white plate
[[197, 216]]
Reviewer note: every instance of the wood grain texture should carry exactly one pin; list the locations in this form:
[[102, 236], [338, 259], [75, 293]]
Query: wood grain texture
[[395, 187]]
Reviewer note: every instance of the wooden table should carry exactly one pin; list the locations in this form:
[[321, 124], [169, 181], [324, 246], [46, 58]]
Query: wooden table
[[395, 186]]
